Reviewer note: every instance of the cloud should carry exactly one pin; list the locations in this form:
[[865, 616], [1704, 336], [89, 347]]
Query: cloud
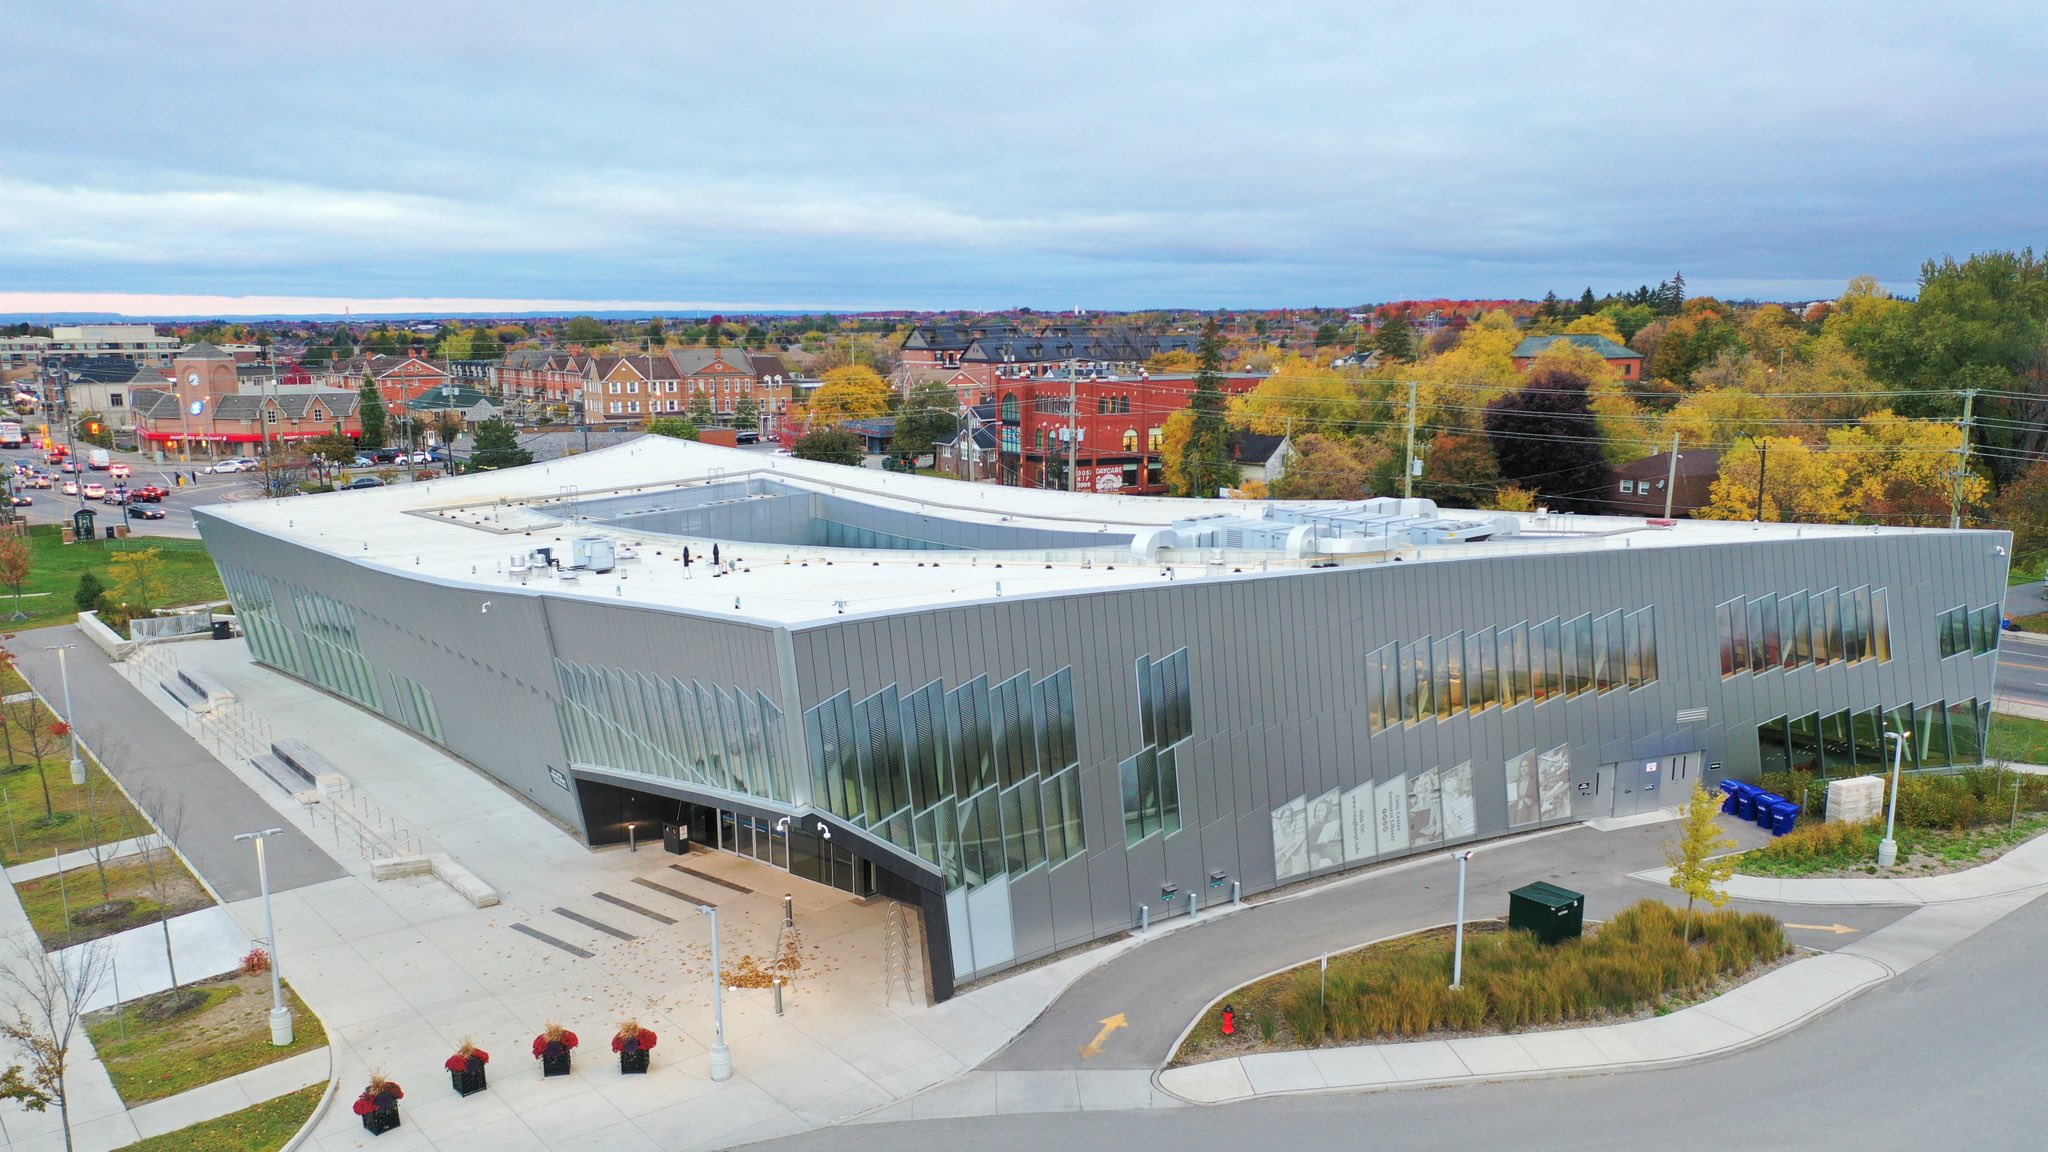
[[989, 154]]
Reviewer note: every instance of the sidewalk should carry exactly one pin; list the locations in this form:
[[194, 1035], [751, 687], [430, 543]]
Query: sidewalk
[[37, 869], [1766, 1007], [2022, 871]]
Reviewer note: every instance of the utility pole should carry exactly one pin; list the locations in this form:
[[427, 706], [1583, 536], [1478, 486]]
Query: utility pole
[[1073, 445], [1955, 499], [1763, 463], [1408, 467], [1671, 477]]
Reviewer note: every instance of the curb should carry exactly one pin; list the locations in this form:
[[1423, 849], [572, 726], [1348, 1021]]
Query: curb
[[1886, 972]]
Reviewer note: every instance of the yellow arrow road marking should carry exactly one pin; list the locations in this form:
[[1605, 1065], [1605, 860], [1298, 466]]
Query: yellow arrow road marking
[[1093, 1048], [1837, 929]]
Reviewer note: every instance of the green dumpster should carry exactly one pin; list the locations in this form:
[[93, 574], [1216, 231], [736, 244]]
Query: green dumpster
[[1552, 913]]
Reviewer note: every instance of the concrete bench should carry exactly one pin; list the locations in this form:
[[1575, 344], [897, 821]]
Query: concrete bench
[[303, 762], [280, 773], [197, 691], [465, 882]]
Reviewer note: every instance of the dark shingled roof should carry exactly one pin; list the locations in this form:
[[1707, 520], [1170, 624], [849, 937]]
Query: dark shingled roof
[[1535, 346]]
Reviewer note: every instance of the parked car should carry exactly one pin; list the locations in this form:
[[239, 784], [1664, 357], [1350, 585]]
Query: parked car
[[146, 512], [233, 464], [149, 493], [118, 471], [364, 482], [21, 499]]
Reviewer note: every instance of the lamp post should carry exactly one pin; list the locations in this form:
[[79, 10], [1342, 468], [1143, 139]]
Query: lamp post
[[70, 722], [1458, 949], [1888, 848], [280, 1018], [721, 1056]]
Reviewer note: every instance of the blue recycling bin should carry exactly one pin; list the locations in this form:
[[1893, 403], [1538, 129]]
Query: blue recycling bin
[[1784, 815], [1765, 801], [1745, 803], [1730, 789]]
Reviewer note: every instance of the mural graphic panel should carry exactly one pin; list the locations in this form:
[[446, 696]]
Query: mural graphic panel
[[1425, 810], [1525, 794], [1461, 816], [1360, 844], [1390, 813], [1290, 839], [1325, 831], [1556, 770]]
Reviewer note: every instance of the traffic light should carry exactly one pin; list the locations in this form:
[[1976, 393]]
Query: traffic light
[[92, 427]]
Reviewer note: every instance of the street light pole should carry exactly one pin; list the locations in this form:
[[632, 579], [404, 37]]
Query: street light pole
[[1888, 848], [70, 721], [280, 1017], [1458, 949], [721, 1056]]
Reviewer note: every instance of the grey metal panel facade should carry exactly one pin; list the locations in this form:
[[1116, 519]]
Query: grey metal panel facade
[[1277, 677]]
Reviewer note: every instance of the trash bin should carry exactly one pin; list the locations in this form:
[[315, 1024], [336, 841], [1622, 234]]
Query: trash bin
[[1551, 912], [1745, 803], [1732, 805], [675, 838], [1765, 802], [1784, 815], [110, 531], [223, 629]]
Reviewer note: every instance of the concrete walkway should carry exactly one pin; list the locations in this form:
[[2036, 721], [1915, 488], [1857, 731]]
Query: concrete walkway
[[2022, 871], [1768, 1006], [37, 869], [150, 754]]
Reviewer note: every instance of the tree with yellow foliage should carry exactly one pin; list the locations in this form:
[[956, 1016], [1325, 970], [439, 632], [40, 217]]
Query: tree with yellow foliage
[[852, 392], [1702, 857], [1598, 324], [1173, 448], [1718, 417], [1799, 483], [1901, 471], [1300, 397], [1456, 386]]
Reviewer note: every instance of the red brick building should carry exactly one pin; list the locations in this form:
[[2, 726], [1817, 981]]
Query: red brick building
[[208, 409], [1626, 360]]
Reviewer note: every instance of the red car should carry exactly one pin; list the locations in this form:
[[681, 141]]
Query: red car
[[149, 493]]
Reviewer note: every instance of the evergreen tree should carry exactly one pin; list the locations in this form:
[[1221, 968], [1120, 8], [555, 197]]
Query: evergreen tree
[[1396, 339], [497, 446], [672, 426], [830, 446], [1587, 304], [375, 421], [930, 416], [1206, 460]]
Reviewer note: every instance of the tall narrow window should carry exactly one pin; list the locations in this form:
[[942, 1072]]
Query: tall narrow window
[[1515, 656], [1724, 626], [1880, 625]]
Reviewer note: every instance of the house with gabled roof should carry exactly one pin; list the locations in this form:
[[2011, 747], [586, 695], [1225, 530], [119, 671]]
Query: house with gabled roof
[[1626, 360]]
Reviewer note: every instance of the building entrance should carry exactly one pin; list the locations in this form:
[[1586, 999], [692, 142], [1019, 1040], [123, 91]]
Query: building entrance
[[781, 843], [1646, 785]]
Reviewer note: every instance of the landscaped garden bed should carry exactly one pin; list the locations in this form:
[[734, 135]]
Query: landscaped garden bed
[[1636, 964], [181, 1038], [75, 907], [1945, 824]]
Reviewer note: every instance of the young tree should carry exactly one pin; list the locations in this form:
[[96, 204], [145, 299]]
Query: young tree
[[1700, 858], [1206, 460], [930, 416], [497, 446], [161, 869], [674, 427], [17, 564], [140, 579], [376, 422], [830, 445], [51, 992], [1328, 468]]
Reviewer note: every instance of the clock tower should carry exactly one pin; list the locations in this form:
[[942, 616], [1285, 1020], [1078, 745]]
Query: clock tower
[[205, 373]]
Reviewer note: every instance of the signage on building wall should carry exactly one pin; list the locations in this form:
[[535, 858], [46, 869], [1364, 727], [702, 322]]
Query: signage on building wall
[[1109, 480], [558, 776]]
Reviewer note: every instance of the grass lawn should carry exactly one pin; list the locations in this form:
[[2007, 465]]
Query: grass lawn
[[258, 1128], [1401, 988], [127, 902], [2021, 739], [182, 1038], [78, 816], [10, 680], [1817, 848], [189, 574], [2038, 622]]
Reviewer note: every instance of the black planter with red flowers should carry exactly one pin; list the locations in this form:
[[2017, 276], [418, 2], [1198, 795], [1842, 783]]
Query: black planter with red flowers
[[466, 1068], [378, 1105], [552, 1048], [632, 1043]]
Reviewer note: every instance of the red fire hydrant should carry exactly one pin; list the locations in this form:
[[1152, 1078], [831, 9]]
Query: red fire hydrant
[[1229, 1020]]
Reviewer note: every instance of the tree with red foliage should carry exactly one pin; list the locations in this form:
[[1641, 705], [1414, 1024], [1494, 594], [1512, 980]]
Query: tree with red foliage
[[1545, 439]]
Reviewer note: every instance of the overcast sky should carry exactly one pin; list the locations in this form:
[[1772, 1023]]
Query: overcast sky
[[975, 154]]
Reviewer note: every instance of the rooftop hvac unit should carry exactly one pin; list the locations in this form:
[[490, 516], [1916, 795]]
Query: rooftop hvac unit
[[594, 553]]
